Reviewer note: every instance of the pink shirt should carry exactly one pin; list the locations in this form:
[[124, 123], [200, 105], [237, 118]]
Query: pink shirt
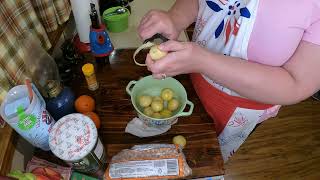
[[262, 31], [280, 26]]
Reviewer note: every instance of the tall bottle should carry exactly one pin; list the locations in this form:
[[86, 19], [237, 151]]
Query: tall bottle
[[44, 73], [101, 46]]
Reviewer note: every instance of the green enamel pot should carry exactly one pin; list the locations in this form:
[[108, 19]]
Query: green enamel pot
[[153, 87]]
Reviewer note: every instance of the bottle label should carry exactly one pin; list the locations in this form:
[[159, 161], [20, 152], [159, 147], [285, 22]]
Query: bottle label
[[92, 82]]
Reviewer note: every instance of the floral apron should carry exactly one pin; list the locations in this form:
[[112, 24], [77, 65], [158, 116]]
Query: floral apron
[[225, 26]]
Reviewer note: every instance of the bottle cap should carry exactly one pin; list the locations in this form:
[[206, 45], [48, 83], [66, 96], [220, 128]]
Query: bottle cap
[[88, 69]]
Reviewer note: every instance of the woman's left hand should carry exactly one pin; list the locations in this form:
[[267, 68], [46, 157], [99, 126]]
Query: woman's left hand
[[183, 58]]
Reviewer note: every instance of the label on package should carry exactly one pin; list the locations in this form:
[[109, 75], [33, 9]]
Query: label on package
[[31, 120], [147, 168], [99, 149]]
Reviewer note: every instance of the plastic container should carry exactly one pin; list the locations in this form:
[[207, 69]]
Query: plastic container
[[116, 23], [148, 162], [74, 139], [31, 120], [150, 86]]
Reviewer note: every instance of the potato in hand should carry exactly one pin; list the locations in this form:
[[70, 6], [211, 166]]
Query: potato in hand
[[156, 53]]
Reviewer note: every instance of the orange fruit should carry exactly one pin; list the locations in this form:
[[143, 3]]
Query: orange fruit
[[84, 104], [94, 117]]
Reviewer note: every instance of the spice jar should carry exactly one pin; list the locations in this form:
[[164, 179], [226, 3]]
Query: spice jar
[[74, 139], [88, 71]]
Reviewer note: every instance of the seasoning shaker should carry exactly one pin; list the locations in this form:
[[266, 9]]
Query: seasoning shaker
[[88, 71]]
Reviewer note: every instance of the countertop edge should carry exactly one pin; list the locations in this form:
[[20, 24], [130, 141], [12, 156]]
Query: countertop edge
[[7, 147]]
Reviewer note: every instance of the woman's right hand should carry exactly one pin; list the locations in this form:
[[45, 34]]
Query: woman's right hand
[[156, 21]]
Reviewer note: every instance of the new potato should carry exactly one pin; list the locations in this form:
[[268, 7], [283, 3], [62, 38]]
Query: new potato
[[156, 115], [156, 53], [157, 106], [160, 107], [165, 113], [157, 98], [173, 104], [145, 101], [167, 94], [179, 140], [148, 111]]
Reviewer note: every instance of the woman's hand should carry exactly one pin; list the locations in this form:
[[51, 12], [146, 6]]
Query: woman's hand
[[183, 58], [156, 21]]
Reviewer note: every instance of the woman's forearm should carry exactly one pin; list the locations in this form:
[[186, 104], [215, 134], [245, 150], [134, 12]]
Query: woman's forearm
[[267, 84], [184, 13]]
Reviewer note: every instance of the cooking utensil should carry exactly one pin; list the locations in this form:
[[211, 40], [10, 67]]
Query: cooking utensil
[[155, 37], [317, 96]]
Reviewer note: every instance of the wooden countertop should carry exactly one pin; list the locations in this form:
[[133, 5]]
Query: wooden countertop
[[254, 157], [115, 110]]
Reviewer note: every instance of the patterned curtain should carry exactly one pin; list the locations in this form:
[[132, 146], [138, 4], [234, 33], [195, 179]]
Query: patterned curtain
[[16, 16]]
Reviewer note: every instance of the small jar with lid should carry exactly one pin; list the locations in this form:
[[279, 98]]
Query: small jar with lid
[[88, 71], [74, 139]]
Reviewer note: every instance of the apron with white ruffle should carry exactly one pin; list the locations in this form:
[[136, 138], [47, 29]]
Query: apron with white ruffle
[[225, 27]]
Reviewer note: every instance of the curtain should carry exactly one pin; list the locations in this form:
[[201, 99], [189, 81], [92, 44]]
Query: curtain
[[16, 16]]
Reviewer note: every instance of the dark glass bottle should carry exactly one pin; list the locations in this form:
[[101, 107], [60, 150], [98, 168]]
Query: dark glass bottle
[[61, 100]]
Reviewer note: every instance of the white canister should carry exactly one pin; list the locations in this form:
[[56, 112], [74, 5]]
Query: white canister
[[74, 139], [30, 119]]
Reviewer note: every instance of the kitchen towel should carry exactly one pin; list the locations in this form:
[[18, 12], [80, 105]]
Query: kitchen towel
[[138, 128]]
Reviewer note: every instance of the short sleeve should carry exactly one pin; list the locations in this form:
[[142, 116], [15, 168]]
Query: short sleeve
[[312, 33]]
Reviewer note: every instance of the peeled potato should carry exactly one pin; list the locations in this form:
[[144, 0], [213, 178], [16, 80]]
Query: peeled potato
[[167, 94], [179, 140], [156, 115], [148, 111], [156, 53], [157, 106], [145, 101], [157, 98], [166, 113], [173, 104]]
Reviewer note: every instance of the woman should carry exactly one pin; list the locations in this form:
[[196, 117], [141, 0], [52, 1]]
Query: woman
[[247, 57]]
